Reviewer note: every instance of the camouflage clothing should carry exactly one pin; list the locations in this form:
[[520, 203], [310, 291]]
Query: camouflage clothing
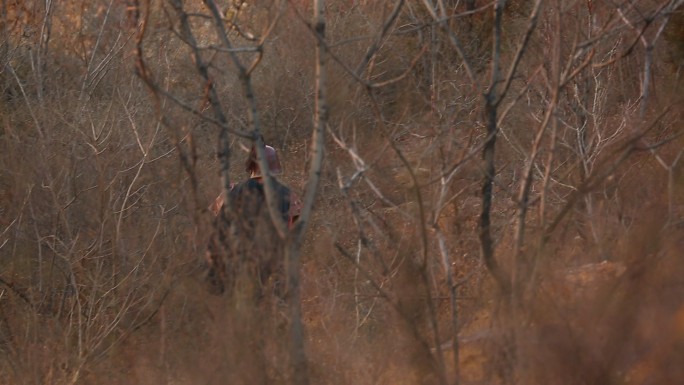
[[245, 244]]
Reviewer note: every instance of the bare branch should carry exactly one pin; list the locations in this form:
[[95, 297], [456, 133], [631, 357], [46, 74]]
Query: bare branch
[[373, 49]]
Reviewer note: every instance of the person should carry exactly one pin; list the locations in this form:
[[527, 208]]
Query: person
[[245, 242], [287, 201]]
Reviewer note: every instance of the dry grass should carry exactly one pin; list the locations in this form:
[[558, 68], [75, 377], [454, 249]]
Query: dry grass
[[103, 229]]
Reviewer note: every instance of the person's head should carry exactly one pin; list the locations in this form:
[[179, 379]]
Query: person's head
[[252, 166]]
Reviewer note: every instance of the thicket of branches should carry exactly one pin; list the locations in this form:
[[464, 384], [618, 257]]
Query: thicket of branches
[[492, 190]]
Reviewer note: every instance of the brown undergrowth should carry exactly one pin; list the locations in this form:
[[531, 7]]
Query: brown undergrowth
[[104, 219]]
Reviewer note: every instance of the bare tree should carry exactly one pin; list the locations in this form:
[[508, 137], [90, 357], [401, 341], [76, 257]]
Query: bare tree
[[499, 201], [294, 237]]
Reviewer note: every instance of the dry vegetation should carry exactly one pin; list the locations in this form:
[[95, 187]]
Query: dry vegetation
[[501, 201]]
